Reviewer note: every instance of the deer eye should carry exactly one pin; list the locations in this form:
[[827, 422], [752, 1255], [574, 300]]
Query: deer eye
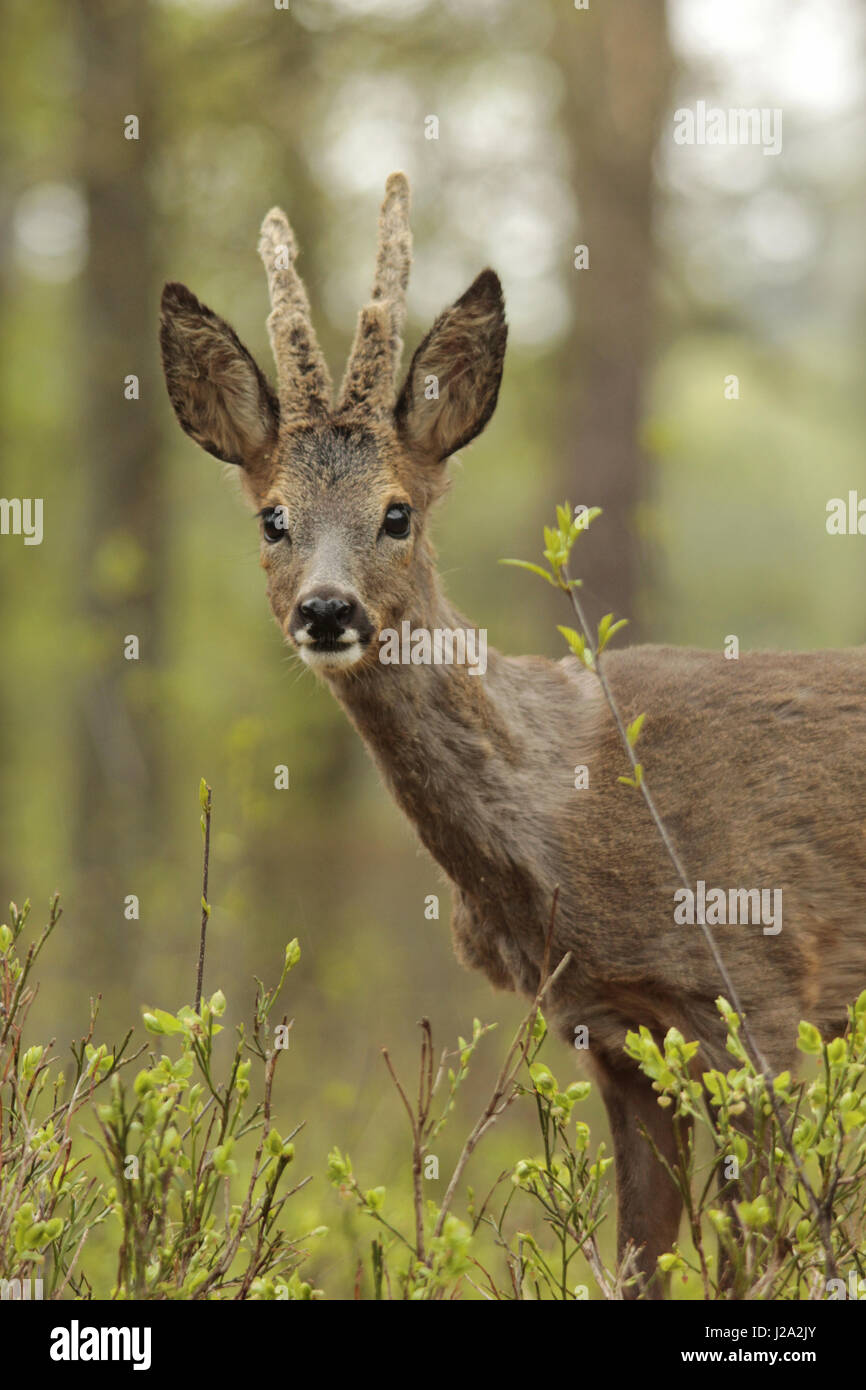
[[396, 521], [275, 524]]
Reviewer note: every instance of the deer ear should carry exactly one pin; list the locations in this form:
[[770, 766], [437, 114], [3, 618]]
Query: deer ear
[[450, 391], [221, 398]]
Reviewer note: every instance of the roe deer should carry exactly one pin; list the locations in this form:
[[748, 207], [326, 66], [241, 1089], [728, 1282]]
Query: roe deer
[[756, 764]]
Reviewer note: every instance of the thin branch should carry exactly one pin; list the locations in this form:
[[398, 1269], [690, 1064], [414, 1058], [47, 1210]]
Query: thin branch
[[416, 1121], [206, 803]]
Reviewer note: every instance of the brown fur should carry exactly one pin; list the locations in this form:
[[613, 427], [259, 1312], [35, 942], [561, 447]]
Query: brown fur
[[220, 396], [464, 352], [755, 763]]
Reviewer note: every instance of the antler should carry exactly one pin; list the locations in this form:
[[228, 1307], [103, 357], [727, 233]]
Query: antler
[[304, 380], [369, 381]]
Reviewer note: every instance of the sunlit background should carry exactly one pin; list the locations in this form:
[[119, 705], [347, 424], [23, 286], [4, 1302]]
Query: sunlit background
[[555, 130]]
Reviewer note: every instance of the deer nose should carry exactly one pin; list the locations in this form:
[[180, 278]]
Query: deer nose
[[326, 617]]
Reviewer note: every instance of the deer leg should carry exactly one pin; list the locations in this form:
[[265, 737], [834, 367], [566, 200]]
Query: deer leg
[[649, 1205]]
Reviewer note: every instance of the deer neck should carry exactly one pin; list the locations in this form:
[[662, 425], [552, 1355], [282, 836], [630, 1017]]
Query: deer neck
[[441, 734]]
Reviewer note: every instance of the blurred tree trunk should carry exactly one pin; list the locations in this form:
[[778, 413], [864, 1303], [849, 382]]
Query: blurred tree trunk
[[123, 541], [617, 64], [8, 192], [7, 556]]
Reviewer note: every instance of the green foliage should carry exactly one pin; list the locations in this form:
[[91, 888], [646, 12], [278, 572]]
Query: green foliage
[[174, 1146], [753, 1231], [559, 542], [49, 1201], [196, 1202], [175, 1142], [751, 1190], [567, 1184], [564, 1187]]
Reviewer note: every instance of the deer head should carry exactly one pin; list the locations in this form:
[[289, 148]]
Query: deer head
[[342, 491]]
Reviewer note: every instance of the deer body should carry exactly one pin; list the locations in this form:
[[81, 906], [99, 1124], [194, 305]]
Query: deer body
[[755, 763], [484, 769], [747, 759]]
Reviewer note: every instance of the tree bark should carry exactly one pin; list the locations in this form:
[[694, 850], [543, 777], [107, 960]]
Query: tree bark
[[122, 547], [617, 65]]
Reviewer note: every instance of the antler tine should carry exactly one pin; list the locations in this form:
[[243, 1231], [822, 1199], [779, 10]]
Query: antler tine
[[304, 380], [369, 380], [394, 253]]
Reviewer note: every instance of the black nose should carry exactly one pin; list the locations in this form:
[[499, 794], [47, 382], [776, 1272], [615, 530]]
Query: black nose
[[326, 617]]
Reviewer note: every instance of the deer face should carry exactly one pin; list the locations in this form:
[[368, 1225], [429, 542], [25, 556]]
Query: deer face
[[341, 494], [341, 528]]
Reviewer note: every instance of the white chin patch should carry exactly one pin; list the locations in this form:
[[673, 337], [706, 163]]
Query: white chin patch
[[331, 660]]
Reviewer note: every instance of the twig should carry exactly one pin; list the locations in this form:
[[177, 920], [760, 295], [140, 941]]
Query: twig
[[417, 1123], [205, 797]]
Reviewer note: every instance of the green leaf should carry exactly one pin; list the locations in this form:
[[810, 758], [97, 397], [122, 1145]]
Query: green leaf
[[544, 1080], [632, 733], [809, 1039], [575, 640], [339, 1166], [714, 1080], [578, 645], [607, 628], [161, 1022], [635, 781], [222, 1159], [584, 519], [754, 1214], [217, 1003], [31, 1060], [533, 569], [670, 1261], [204, 795]]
